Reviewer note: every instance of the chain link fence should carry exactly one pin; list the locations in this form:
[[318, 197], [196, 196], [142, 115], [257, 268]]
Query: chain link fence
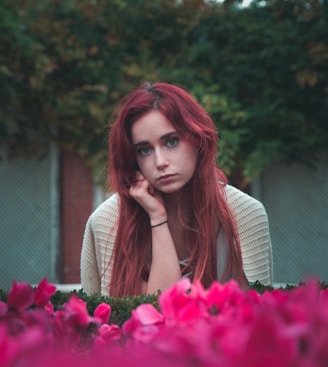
[[29, 219], [296, 199]]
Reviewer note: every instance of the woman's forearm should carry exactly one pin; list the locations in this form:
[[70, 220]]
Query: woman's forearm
[[165, 268]]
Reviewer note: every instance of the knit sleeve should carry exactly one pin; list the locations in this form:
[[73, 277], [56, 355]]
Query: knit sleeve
[[98, 247], [90, 279], [253, 229]]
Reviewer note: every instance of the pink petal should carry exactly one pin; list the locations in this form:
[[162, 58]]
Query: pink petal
[[8, 347], [192, 311], [76, 313], [20, 296], [174, 298], [43, 293], [3, 308], [131, 324], [144, 323], [148, 315], [109, 333], [102, 312], [49, 307]]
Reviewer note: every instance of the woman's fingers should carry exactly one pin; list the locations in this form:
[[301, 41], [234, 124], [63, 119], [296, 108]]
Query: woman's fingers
[[144, 193], [139, 176], [140, 186]]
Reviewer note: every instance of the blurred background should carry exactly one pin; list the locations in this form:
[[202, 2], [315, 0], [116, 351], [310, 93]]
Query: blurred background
[[260, 68]]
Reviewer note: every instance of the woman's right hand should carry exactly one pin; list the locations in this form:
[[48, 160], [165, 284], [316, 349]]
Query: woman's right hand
[[149, 198], [165, 268]]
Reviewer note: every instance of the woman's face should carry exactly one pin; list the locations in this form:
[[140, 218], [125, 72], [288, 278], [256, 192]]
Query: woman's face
[[164, 158]]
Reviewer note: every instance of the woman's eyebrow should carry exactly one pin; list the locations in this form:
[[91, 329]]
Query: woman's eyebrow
[[168, 135], [164, 137]]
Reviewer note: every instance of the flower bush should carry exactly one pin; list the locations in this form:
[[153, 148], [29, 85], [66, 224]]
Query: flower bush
[[220, 326]]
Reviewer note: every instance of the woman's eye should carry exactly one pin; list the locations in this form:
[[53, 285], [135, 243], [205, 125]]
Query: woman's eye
[[172, 142], [144, 151]]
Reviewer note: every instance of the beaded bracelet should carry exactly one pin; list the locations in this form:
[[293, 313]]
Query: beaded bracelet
[[159, 224]]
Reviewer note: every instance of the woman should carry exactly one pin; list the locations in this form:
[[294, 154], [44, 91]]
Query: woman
[[172, 213]]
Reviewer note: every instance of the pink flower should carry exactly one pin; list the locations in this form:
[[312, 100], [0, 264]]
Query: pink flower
[[75, 312], [102, 313], [8, 347], [148, 315], [72, 325], [225, 298], [174, 298], [3, 308], [144, 323], [183, 302], [221, 326], [21, 296], [49, 308], [43, 293], [108, 334]]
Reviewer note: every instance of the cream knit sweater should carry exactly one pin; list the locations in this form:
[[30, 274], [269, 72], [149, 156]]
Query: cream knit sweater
[[100, 231]]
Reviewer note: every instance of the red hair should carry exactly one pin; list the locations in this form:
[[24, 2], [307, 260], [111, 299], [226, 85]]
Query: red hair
[[211, 212]]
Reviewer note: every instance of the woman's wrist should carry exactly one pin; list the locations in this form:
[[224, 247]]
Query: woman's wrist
[[153, 225], [157, 217]]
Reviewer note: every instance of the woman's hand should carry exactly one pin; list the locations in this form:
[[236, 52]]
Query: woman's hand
[[149, 198], [165, 267]]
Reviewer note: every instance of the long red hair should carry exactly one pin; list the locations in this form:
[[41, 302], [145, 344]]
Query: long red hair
[[132, 249]]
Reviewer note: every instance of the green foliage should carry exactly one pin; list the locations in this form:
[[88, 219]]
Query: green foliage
[[123, 307], [261, 72]]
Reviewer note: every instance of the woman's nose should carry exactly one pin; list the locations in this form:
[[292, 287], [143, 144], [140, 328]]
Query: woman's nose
[[161, 159]]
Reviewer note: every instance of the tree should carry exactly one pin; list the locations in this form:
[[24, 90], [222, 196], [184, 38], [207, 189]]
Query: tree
[[260, 71]]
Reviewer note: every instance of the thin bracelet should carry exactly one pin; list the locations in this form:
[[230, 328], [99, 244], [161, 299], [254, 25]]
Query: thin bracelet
[[159, 224]]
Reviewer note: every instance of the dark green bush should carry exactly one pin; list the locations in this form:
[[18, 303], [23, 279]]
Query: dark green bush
[[122, 307]]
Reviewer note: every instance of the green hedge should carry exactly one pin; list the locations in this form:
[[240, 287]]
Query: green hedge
[[122, 307]]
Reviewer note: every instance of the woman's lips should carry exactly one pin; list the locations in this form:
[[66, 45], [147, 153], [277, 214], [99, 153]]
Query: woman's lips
[[166, 178]]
